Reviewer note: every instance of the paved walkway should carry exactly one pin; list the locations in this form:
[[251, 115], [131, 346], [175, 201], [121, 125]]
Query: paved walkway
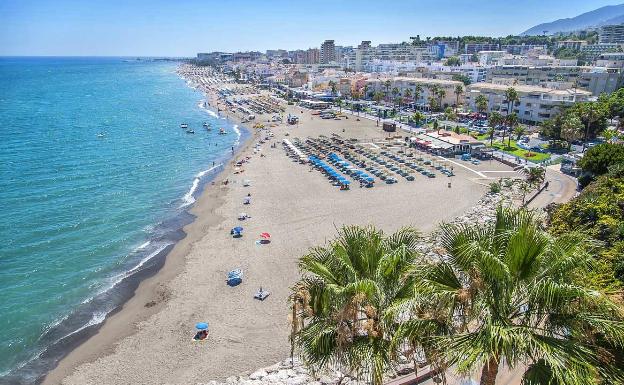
[[561, 188]]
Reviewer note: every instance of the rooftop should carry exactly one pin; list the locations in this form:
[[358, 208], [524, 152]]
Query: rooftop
[[526, 89]]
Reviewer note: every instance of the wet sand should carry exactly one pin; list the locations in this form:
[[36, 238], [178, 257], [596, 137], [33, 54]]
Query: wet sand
[[149, 341]]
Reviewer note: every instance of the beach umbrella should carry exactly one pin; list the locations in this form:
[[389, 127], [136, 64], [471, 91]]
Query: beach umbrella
[[238, 229], [265, 235], [201, 326]]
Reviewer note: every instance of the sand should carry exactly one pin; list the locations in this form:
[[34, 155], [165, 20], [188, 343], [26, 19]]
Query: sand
[[300, 209]]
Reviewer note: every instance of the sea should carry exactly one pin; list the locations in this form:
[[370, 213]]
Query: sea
[[96, 180]]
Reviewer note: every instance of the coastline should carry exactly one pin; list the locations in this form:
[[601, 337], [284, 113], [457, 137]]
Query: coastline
[[140, 344], [148, 286], [150, 290]]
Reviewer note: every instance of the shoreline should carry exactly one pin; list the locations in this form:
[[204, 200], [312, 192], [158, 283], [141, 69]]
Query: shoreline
[[301, 210], [147, 286]]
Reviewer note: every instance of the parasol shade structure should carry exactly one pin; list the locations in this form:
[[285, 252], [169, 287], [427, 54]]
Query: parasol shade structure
[[201, 326]]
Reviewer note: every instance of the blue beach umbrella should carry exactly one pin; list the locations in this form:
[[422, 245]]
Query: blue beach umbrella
[[238, 229], [201, 326]]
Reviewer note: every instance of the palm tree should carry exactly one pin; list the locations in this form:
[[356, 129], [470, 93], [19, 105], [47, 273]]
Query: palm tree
[[519, 131], [511, 95], [459, 90], [490, 133], [339, 103], [433, 94], [441, 94], [512, 122], [418, 117], [365, 91], [433, 103], [535, 175], [343, 306], [332, 86], [377, 96], [571, 129], [387, 85], [395, 92], [407, 94], [494, 120], [589, 115], [481, 103], [513, 293], [418, 90]]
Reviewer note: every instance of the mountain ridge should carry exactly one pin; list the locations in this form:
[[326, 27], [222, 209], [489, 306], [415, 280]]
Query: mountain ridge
[[610, 14]]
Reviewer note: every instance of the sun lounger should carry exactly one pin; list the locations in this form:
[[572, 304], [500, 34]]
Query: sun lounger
[[261, 294]]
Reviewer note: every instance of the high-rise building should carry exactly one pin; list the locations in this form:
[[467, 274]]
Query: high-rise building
[[611, 34], [328, 52], [312, 56]]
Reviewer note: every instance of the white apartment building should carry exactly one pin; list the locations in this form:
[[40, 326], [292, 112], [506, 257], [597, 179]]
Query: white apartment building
[[536, 104], [611, 34], [371, 59], [597, 80], [594, 50], [490, 57], [475, 72]]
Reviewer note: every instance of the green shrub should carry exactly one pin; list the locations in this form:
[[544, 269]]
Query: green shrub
[[599, 211], [495, 187]]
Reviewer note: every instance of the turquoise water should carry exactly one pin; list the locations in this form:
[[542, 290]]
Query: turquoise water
[[95, 173]]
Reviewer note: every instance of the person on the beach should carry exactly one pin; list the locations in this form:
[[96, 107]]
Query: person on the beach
[[201, 335]]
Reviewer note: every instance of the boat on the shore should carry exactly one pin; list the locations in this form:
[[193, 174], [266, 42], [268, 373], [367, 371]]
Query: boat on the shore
[[183, 125], [222, 131]]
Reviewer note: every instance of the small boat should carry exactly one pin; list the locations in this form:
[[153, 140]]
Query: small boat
[[222, 131], [205, 125], [190, 131], [183, 125], [101, 135]]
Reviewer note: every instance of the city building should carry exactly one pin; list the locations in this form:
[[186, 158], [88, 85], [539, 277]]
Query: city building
[[490, 57], [536, 104], [592, 51], [470, 48], [611, 34], [571, 44], [523, 49], [363, 55], [597, 80], [610, 60], [328, 52]]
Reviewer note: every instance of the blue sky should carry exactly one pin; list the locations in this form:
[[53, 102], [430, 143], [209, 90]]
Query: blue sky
[[184, 27]]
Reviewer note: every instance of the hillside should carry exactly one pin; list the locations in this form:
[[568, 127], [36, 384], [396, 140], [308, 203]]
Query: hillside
[[610, 14]]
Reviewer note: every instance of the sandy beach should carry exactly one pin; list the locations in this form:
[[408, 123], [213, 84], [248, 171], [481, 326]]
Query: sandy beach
[[149, 341]]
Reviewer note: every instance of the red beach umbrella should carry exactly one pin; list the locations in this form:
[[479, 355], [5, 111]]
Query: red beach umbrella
[[265, 235]]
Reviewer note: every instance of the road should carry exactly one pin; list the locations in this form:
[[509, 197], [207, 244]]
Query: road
[[561, 188]]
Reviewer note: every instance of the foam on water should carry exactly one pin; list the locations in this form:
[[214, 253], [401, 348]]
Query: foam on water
[[189, 197], [79, 205]]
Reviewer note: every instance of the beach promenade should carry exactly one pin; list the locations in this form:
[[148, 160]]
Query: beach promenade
[[150, 340]]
